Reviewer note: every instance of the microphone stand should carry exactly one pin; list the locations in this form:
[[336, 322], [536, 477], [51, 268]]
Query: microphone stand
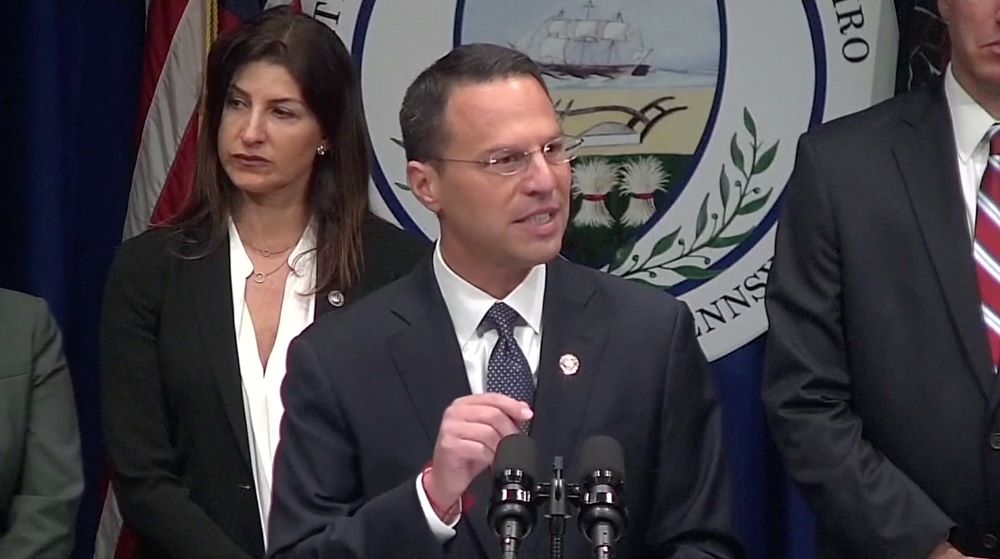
[[605, 523], [557, 494]]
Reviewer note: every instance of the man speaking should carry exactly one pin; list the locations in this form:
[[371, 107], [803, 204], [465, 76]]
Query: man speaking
[[394, 409]]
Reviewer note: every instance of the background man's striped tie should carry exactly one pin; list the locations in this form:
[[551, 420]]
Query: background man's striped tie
[[987, 244]]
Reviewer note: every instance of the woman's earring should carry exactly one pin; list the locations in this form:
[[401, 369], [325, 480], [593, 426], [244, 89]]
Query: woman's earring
[[321, 150]]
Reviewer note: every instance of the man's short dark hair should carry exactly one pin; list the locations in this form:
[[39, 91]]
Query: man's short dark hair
[[422, 114]]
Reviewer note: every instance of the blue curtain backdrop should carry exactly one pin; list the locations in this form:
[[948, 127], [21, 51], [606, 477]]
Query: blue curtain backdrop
[[69, 82], [68, 95], [771, 518]]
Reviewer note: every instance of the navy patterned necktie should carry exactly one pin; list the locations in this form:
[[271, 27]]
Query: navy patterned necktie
[[507, 371]]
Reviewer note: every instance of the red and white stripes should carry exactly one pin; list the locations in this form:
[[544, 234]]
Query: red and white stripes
[[171, 83], [986, 248]]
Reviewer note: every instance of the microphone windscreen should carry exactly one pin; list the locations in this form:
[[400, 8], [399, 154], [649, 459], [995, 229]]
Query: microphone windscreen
[[517, 452], [601, 453]]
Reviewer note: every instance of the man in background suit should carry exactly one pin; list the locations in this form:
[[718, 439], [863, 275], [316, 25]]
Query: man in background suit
[[394, 409], [881, 382], [41, 477]]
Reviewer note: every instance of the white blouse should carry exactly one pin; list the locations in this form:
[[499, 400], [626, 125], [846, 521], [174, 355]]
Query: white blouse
[[262, 405]]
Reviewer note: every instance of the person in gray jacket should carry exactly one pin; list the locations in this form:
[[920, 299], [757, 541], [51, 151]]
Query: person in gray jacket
[[41, 475]]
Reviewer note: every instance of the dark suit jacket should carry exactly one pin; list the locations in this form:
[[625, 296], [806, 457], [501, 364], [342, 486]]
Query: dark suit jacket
[[366, 391], [41, 478], [173, 410], [879, 386]]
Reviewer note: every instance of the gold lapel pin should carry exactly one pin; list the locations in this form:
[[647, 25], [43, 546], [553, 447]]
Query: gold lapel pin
[[569, 364]]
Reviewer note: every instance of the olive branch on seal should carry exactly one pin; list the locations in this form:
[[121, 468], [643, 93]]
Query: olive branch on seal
[[713, 225]]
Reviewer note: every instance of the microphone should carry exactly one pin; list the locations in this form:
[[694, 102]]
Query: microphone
[[512, 511], [602, 513]]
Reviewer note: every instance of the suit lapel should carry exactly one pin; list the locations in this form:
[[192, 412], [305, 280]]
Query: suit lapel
[[426, 354], [572, 325], [213, 299], [432, 370], [382, 265], [925, 154], [323, 305]]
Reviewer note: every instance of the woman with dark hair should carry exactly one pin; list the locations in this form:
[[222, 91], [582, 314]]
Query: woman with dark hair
[[199, 312]]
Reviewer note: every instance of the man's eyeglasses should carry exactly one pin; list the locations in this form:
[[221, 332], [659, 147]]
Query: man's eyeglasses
[[508, 162]]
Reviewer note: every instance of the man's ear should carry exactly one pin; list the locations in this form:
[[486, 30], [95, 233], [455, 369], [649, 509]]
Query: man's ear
[[944, 9], [424, 183]]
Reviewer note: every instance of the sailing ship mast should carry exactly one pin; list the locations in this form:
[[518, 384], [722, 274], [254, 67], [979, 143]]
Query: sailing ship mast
[[586, 46]]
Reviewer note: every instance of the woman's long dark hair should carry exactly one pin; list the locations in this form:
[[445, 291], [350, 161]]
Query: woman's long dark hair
[[338, 188]]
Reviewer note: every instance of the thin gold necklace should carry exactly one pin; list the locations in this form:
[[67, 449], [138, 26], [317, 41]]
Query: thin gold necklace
[[266, 252], [260, 277]]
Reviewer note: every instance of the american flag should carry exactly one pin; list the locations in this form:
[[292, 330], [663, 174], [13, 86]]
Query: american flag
[[178, 36]]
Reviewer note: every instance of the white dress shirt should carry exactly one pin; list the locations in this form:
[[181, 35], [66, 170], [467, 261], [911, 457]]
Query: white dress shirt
[[262, 405], [467, 305], [970, 122]]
